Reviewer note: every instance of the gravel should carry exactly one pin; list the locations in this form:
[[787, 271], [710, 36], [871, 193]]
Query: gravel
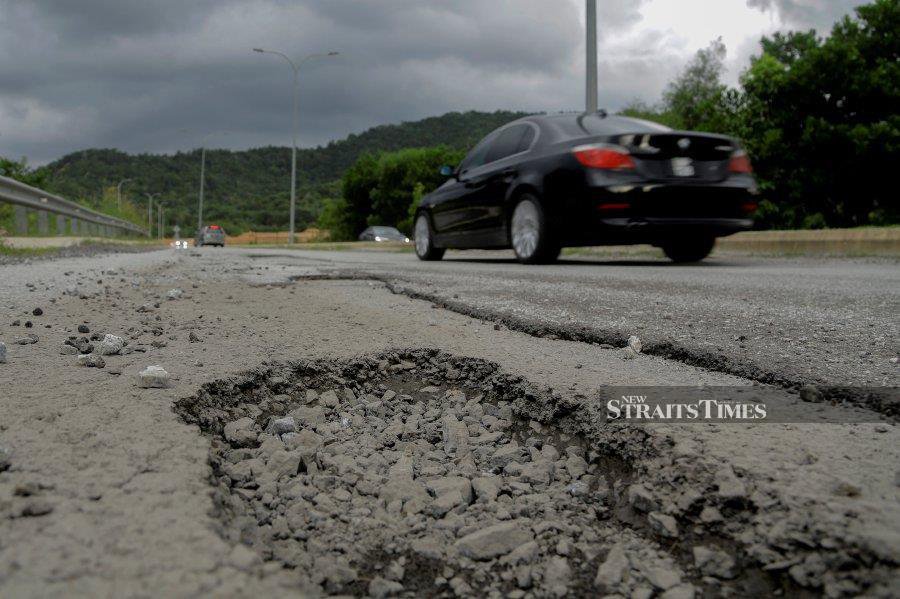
[[416, 473], [81, 344], [91, 361], [111, 345], [85, 250], [634, 344], [153, 377]]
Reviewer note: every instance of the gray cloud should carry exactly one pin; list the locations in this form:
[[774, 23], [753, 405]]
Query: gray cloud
[[808, 14], [135, 74]]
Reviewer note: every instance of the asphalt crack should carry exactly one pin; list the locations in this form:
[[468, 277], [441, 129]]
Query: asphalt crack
[[885, 400]]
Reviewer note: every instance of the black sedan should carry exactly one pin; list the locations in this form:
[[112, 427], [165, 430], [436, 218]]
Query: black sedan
[[547, 182]]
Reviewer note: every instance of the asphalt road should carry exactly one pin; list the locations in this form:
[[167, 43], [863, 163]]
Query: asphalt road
[[105, 489], [792, 322]]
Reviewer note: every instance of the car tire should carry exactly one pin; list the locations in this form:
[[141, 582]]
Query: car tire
[[424, 240], [685, 251], [530, 233]]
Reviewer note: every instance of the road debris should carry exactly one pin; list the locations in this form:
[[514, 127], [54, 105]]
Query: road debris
[[111, 345], [91, 361], [379, 473], [634, 344], [81, 344], [153, 377]]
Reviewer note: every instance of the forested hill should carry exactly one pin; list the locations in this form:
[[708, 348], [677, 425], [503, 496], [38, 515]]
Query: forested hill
[[250, 188]]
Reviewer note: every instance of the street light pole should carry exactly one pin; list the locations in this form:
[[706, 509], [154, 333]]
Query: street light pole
[[592, 83], [119, 193], [295, 67], [159, 220]]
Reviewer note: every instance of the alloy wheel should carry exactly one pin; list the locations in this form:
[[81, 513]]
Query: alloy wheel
[[526, 229]]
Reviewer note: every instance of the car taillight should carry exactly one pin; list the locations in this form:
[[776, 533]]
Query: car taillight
[[740, 163], [604, 157], [618, 207]]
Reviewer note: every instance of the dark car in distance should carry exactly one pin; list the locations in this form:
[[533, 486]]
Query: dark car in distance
[[210, 235], [383, 234], [546, 182]]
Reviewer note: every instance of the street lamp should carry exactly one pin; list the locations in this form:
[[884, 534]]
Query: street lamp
[[119, 192], [296, 68], [159, 220], [592, 103]]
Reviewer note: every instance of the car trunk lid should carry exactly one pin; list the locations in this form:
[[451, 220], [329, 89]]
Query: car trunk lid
[[680, 156]]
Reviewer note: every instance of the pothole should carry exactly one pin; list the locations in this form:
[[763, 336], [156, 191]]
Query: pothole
[[417, 473]]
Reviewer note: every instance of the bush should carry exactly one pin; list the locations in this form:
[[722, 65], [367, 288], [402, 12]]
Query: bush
[[384, 189]]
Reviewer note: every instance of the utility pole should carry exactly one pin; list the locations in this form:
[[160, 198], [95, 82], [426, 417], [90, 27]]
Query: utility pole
[[202, 185], [119, 193], [592, 83], [202, 174], [150, 214]]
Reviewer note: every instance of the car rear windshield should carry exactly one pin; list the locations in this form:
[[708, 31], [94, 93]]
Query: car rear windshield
[[575, 126]]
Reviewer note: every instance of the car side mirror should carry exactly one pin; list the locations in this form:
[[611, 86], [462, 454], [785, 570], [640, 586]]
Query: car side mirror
[[448, 171]]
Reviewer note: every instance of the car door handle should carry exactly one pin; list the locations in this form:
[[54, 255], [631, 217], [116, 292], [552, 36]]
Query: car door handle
[[507, 173]]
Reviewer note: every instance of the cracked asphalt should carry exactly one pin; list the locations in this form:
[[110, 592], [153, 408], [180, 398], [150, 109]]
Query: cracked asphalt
[[792, 322], [107, 490]]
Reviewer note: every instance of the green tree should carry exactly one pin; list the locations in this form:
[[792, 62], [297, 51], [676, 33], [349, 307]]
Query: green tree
[[697, 99], [401, 176], [820, 120], [384, 189], [20, 171]]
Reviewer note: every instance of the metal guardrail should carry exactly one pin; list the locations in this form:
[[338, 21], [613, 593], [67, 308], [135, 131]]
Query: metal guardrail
[[83, 220]]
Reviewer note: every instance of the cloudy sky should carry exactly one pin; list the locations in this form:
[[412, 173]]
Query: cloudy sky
[[160, 75]]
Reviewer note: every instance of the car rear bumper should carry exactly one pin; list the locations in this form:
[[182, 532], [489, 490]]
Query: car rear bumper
[[656, 213], [666, 226]]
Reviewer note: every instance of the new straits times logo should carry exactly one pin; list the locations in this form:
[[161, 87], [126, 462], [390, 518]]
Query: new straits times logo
[[743, 404], [641, 407]]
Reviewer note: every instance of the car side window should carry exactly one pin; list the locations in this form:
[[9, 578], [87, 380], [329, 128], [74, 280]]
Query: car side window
[[527, 140], [508, 143], [477, 156]]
